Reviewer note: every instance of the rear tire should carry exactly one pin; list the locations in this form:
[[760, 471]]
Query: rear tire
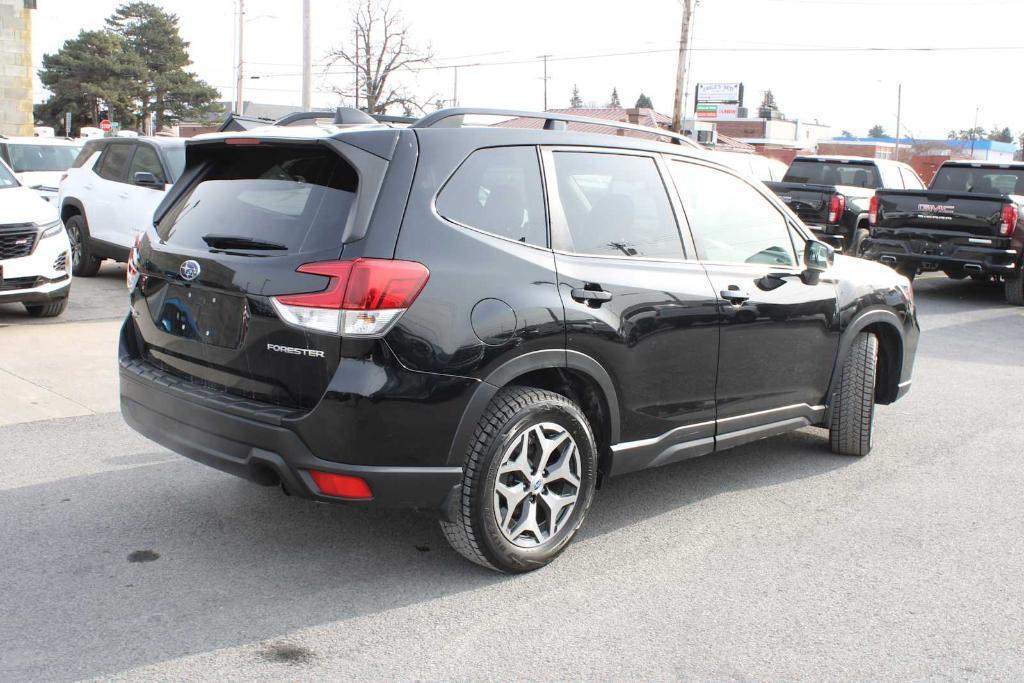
[[48, 310], [853, 406], [533, 451], [83, 263], [1013, 286]]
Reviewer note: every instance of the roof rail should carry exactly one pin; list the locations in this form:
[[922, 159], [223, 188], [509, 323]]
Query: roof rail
[[552, 121], [342, 116]]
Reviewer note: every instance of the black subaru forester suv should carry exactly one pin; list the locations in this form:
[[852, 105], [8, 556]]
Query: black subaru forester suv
[[487, 321]]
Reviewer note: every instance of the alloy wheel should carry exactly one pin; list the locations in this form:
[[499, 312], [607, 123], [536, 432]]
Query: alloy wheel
[[75, 236], [537, 486]]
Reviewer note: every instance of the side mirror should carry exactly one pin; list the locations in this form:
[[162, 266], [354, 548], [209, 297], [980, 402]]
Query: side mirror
[[147, 179], [818, 257]]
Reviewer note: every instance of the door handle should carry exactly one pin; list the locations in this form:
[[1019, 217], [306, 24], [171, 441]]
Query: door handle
[[734, 295], [123, 195], [591, 297]]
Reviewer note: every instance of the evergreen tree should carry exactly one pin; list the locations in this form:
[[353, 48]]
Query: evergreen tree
[[614, 103], [166, 88], [575, 102], [644, 102], [1001, 135], [876, 131]]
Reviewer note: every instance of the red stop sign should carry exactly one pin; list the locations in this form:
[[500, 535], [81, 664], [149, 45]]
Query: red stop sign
[[105, 125]]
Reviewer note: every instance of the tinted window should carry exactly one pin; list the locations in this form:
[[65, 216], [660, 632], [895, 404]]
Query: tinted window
[[146, 160], [41, 157], [979, 180], [294, 200], [113, 165], [7, 178], [616, 205], [731, 221], [910, 179], [498, 190], [87, 151], [175, 156], [832, 173]]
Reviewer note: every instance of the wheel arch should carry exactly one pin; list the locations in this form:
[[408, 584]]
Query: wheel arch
[[886, 326], [72, 207], [570, 373]]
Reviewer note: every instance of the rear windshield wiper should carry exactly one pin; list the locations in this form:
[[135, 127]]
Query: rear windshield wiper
[[237, 242]]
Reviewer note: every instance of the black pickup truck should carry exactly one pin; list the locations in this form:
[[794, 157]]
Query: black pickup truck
[[965, 223], [832, 194]]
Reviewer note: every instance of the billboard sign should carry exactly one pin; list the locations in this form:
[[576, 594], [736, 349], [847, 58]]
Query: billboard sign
[[720, 93], [717, 111]]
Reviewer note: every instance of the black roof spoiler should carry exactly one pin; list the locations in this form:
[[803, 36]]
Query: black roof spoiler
[[454, 118]]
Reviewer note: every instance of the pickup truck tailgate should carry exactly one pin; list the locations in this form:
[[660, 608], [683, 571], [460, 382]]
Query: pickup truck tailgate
[[963, 212]]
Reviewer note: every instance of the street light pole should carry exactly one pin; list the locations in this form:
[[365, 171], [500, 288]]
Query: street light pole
[[899, 112], [307, 60], [545, 58], [684, 44], [239, 96]]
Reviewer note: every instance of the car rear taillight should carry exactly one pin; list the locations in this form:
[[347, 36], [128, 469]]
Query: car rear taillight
[[341, 485], [1009, 222], [131, 275], [873, 210], [836, 207], [363, 298]]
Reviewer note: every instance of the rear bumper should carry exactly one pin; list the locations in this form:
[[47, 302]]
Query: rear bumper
[[941, 255], [267, 454]]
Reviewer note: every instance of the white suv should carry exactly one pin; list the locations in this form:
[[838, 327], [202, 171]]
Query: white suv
[[34, 250], [39, 163], [110, 193]]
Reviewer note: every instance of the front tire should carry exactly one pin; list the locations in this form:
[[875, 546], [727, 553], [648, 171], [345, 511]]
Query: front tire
[[83, 263], [529, 480], [48, 310], [857, 244], [853, 405]]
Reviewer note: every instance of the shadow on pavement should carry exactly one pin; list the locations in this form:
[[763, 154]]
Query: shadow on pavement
[[173, 559]]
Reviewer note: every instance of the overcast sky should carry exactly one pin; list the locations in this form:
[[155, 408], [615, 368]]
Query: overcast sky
[[786, 45]]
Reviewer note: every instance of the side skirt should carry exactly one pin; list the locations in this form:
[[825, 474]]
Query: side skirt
[[693, 441]]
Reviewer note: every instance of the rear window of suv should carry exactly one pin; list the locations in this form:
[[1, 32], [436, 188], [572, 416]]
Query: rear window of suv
[[279, 199]]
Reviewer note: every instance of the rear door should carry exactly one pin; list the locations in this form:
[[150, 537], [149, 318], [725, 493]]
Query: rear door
[[236, 235], [635, 299], [104, 207], [779, 335]]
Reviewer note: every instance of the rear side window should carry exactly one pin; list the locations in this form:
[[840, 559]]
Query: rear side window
[[87, 151], [270, 200], [616, 205], [910, 179], [891, 177], [498, 190], [146, 160], [29, 158], [113, 165]]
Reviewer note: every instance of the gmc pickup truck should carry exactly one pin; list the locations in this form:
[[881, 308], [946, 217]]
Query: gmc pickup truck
[[964, 224], [832, 194]]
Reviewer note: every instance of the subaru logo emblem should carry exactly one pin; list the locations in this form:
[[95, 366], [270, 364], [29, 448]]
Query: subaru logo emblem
[[189, 270]]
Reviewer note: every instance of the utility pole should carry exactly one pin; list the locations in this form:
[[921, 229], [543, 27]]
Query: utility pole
[[357, 70], [689, 60], [899, 112], [307, 60], [455, 87], [239, 96], [684, 46], [545, 58]]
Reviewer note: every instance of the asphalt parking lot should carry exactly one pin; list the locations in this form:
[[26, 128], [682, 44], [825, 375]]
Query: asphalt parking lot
[[775, 561]]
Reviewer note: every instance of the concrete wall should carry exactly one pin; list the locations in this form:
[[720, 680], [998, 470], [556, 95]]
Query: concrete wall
[[15, 68]]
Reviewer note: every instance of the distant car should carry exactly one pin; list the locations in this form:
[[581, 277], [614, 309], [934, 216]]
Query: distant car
[[110, 193], [34, 250], [39, 162], [760, 167]]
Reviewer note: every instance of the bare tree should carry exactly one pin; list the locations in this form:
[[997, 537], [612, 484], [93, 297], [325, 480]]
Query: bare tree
[[380, 51]]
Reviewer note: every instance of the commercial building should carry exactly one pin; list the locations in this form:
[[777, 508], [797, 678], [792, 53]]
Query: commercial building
[[16, 67]]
